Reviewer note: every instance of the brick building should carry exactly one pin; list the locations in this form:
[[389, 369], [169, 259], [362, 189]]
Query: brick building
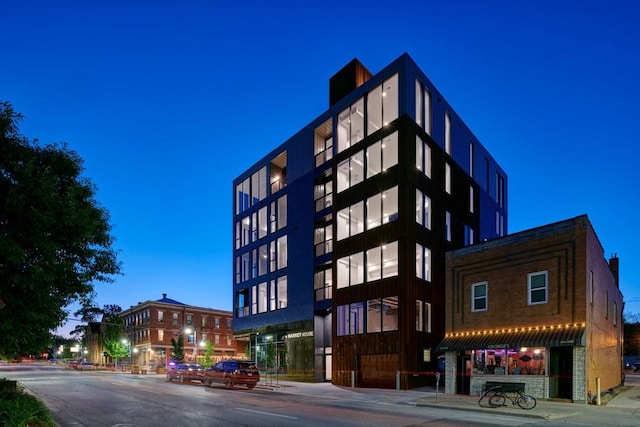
[[149, 327], [540, 307]]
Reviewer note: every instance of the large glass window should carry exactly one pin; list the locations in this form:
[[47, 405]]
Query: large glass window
[[389, 151], [390, 260], [479, 296], [262, 222], [262, 297], [374, 264], [282, 298], [537, 287], [382, 314], [390, 314], [263, 260], [323, 238], [254, 263], [382, 208], [350, 319], [374, 159], [423, 157], [423, 262], [246, 266], [381, 261], [447, 178], [273, 261], [350, 126], [243, 195], [382, 155], [423, 210], [322, 284], [243, 232], [323, 142], [323, 190], [419, 109], [342, 272], [350, 171], [282, 212], [242, 303], [427, 112], [282, 252], [518, 361], [356, 269], [447, 133], [382, 104], [259, 185]]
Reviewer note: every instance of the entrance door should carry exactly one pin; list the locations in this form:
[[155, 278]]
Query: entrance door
[[327, 367], [561, 373], [463, 374]]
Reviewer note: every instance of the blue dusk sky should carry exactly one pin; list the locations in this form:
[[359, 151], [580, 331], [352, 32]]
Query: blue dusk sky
[[168, 101]]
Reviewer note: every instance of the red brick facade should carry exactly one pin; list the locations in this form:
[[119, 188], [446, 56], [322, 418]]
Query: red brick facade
[[580, 307]]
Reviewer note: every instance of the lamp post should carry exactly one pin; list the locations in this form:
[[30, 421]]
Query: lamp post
[[195, 343], [126, 343]]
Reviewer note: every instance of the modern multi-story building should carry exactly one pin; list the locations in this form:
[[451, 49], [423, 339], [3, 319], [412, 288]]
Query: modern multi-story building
[[541, 307], [149, 327], [340, 233]]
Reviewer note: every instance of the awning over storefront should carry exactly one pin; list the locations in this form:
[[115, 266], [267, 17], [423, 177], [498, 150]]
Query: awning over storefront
[[561, 336]]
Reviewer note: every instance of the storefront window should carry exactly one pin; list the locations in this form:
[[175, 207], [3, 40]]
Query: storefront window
[[523, 361]]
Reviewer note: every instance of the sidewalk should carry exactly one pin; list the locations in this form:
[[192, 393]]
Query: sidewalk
[[625, 398]]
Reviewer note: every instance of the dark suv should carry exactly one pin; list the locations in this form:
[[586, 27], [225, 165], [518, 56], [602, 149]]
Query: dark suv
[[233, 372], [185, 372]]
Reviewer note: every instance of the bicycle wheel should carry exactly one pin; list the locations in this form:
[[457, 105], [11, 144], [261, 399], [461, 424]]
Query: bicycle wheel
[[497, 399], [526, 402]]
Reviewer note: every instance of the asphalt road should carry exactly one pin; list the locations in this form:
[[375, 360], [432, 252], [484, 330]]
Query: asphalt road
[[121, 399]]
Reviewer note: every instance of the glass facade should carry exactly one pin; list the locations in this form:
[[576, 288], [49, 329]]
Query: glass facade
[[326, 241]]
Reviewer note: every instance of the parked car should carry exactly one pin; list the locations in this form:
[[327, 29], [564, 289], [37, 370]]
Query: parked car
[[636, 367], [185, 372], [233, 372], [72, 364], [85, 366]]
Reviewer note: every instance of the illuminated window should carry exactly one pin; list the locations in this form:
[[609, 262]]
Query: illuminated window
[[447, 133]]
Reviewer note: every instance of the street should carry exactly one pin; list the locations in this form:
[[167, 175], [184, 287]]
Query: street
[[98, 398], [110, 399]]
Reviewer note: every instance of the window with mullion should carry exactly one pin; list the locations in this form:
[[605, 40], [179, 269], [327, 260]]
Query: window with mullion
[[479, 296]]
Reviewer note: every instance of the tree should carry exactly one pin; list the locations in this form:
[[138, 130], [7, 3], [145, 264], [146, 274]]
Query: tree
[[178, 349], [209, 350], [112, 336], [55, 238], [632, 334]]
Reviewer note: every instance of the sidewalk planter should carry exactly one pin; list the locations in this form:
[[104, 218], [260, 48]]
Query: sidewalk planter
[[135, 369]]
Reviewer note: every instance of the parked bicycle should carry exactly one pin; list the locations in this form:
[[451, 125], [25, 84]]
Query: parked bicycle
[[497, 395]]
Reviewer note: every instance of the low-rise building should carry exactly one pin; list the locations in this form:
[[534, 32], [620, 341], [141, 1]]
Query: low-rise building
[[540, 307], [149, 327]]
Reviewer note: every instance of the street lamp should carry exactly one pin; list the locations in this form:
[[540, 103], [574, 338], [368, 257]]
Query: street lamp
[[126, 343], [195, 343]]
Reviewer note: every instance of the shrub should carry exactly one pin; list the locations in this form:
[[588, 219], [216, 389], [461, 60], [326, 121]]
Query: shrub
[[20, 409]]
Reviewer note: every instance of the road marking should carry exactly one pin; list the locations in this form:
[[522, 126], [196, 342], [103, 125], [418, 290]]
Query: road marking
[[267, 413]]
